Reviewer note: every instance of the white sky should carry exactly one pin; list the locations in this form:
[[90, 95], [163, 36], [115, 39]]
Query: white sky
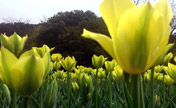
[[34, 10]]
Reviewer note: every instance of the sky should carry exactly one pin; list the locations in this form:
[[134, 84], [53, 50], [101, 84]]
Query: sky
[[36, 10]]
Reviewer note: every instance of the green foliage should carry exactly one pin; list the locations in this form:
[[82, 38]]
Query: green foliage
[[63, 31]]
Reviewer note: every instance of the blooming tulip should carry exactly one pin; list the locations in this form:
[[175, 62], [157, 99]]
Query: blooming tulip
[[139, 34], [14, 43], [25, 74]]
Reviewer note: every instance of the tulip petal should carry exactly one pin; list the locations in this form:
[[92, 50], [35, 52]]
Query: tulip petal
[[112, 10], [27, 75], [46, 58], [103, 40], [164, 7], [138, 35], [163, 53], [7, 60]]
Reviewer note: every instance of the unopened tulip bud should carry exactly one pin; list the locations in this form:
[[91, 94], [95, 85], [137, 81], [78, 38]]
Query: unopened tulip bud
[[75, 86], [6, 94], [50, 99], [168, 80]]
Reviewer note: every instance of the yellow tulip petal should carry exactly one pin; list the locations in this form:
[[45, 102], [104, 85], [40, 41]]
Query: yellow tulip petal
[[46, 58], [164, 7], [103, 40], [7, 60], [27, 75], [111, 11], [136, 38], [164, 51]]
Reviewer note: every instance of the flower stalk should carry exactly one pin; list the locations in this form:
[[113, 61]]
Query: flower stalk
[[152, 89]]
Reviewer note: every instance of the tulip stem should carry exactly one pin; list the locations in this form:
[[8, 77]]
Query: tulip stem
[[14, 99], [164, 97], [26, 102], [41, 97], [152, 89], [96, 91], [110, 90], [135, 79], [68, 88]]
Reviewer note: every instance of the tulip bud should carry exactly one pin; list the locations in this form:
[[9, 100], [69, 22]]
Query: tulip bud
[[87, 70], [168, 80], [56, 65], [56, 57], [14, 43], [73, 76], [101, 73], [109, 65], [78, 71], [6, 94], [51, 66], [68, 63], [157, 101], [158, 68], [167, 58], [60, 75], [75, 86], [119, 72], [171, 70], [147, 76], [160, 77], [98, 61], [86, 87], [50, 99]]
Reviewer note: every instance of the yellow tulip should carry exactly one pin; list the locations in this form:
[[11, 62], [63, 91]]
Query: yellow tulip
[[171, 70], [139, 34], [14, 43], [98, 61], [56, 57], [68, 63], [25, 74]]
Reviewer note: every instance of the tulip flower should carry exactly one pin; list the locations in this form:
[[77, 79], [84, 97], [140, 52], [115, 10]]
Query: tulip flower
[[25, 74], [171, 70], [139, 34], [56, 57], [56, 65], [109, 65], [14, 43], [68, 63], [98, 61]]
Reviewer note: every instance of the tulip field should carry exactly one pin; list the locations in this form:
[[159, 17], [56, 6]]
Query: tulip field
[[68, 85], [142, 73]]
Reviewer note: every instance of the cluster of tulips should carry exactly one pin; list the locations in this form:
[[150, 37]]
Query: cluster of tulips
[[140, 76], [35, 79]]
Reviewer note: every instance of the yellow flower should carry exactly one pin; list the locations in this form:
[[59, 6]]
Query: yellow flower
[[56, 57], [68, 63], [25, 74], [98, 61], [14, 43], [139, 34], [171, 70]]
